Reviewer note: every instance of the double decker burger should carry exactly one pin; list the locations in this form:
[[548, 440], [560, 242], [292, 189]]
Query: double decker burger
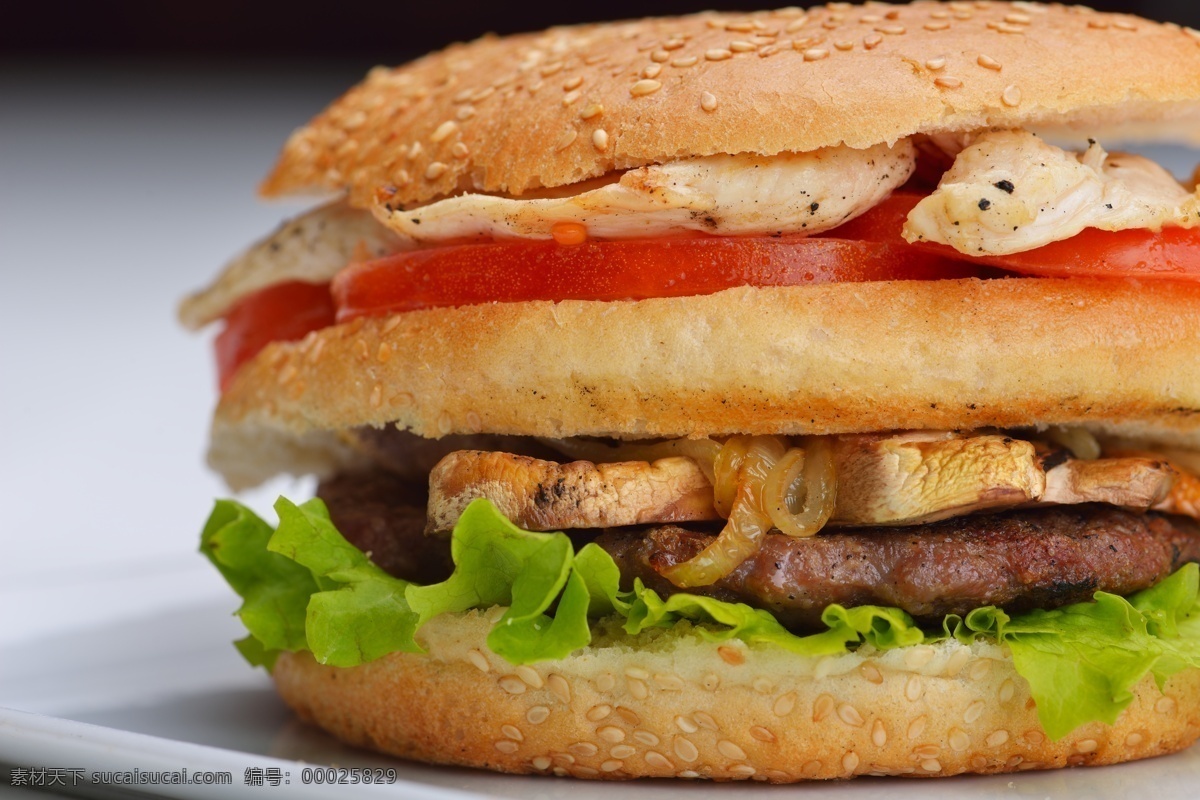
[[785, 395]]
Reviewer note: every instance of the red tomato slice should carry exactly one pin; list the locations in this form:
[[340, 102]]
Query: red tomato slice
[[1171, 254], [621, 270], [279, 313]]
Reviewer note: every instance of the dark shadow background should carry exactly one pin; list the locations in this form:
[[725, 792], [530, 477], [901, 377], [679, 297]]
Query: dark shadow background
[[366, 32]]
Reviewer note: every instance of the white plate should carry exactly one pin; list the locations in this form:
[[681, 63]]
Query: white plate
[[167, 692]]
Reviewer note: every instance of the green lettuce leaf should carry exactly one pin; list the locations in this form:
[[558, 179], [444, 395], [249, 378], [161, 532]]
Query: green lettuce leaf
[[304, 587]]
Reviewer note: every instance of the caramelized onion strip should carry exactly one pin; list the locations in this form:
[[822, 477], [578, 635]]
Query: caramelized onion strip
[[743, 533], [818, 477]]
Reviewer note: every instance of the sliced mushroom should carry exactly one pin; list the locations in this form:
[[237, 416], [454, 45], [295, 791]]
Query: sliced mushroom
[[1129, 482], [543, 496], [923, 477]]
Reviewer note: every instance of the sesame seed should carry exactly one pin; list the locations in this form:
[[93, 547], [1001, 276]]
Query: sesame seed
[[598, 712], [659, 56], [564, 141], [551, 69], [740, 27], [815, 54], [646, 738], [384, 353], [956, 662], [570, 97], [622, 751], [717, 54], [973, 712], [1086, 746], [644, 87], [708, 102], [937, 25], [600, 139], [584, 749], [731, 750], [849, 761], [1098, 24], [541, 762], [559, 687], [916, 727], [763, 686], [658, 760], [1011, 96], [844, 45], [460, 150], [530, 676], [512, 732], [762, 734], [978, 762], [1133, 740], [652, 71], [537, 715], [935, 64], [572, 83], [638, 689], [414, 150], [686, 725], [822, 707], [705, 720], [913, 688], [795, 25], [948, 82], [1034, 736], [687, 61], [1124, 25], [506, 746], [612, 765], [1018, 19], [878, 733], [997, 738], [849, 715], [647, 45], [870, 19], [483, 94], [1007, 689], [931, 765], [477, 658], [980, 669], [926, 751], [512, 684], [605, 683], [742, 46], [871, 673], [465, 113], [872, 40], [964, 15], [591, 110], [959, 741], [685, 749], [445, 130], [987, 62], [611, 734], [891, 30], [1165, 705], [830, 24], [1006, 27], [939, 14]]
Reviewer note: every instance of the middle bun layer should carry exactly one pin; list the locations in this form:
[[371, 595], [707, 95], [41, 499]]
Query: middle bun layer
[[834, 358]]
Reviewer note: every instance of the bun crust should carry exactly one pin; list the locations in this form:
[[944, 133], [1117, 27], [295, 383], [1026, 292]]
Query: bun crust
[[679, 706], [522, 112], [835, 358]]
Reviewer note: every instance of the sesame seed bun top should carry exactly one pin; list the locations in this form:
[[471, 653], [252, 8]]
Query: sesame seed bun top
[[521, 112]]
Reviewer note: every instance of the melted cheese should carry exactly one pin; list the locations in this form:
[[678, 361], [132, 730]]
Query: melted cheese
[[1009, 191]]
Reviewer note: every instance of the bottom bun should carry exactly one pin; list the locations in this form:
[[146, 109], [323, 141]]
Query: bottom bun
[[676, 705]]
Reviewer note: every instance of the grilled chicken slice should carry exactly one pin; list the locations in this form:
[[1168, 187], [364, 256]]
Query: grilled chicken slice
[[1009, 191], [725, 194], [544, 496]]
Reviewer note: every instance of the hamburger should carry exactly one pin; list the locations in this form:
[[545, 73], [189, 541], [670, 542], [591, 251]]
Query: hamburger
[[786, 395]]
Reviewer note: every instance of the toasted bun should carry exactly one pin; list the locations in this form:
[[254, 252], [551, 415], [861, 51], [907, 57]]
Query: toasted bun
[[836, 358], [521, 112], [675, 705]]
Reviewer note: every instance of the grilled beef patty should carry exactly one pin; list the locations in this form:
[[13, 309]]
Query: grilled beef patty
[[1018, 560]]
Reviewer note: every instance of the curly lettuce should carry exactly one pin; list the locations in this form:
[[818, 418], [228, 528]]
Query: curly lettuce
[[304, 587]]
